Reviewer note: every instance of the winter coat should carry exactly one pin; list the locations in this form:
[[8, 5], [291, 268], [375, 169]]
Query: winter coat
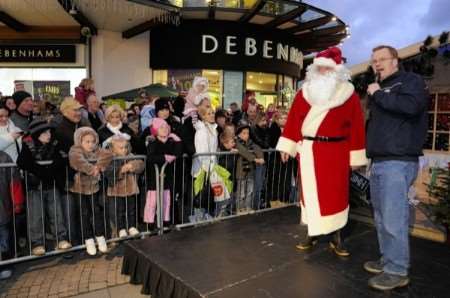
[[5, 195], [64, 131], [205, 141], [104, 133], [274, 133], [227, 161], [21, 121], [398, 121], [123, 184], [96, 120], [49, 175], [7, 142], [245, 165], [84, 163], [260, 136], [155, 156], [82, 94]]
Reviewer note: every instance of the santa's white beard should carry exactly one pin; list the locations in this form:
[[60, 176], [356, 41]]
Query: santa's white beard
[[320, 88]]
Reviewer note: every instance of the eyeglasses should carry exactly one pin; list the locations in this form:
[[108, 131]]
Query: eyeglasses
[[381, 60]]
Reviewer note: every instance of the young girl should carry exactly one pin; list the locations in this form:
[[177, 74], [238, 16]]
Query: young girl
[[89, 161], [122, 186], [164, 147]]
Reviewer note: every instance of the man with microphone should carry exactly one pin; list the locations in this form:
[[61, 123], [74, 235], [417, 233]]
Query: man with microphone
[[396, 132]]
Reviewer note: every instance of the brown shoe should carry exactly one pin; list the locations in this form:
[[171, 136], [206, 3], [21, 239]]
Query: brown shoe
[[308, 243], [337, 245]]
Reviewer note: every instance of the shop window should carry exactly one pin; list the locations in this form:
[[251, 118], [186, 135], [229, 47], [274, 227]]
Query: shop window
[[287, 92], [438, 122], [160, 76], [215, 78], [51, 84], [264, 85], [233, 82]]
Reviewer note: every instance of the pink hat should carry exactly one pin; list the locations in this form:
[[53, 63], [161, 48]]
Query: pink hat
[[156, 124], [331, 57]]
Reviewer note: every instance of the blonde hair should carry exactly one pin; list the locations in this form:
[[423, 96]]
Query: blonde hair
[[203, 111], [116, 139], [86, 83], [278, 114], [114, 109]]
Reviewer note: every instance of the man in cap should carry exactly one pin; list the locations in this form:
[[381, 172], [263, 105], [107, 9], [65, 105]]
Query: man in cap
[[325, 127], [21, 117]]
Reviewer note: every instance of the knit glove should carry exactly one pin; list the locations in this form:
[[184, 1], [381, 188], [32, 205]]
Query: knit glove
[[169, 158]]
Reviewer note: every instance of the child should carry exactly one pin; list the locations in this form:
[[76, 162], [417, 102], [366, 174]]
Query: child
[[245, 167], [164, 147], [122, 185], [89, 161], [228, 161], [44, 197]]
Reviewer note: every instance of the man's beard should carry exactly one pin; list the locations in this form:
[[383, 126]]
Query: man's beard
[[321, 88]]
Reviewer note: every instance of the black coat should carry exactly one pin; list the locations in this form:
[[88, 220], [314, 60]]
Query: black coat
[[63, 132], [49, 175], [260, 136], [5, 194], [137, 147], [274, 133], [398, 121], [155, 156]]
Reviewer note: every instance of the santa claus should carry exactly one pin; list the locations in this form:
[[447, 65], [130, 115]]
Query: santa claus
[[325, 127]]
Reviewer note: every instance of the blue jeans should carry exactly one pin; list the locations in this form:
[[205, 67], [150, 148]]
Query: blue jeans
[[259, 182], [4, 238], [389, 184]]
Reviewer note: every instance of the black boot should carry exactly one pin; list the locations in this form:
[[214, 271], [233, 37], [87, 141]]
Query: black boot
[[337, 245], [308, 243]]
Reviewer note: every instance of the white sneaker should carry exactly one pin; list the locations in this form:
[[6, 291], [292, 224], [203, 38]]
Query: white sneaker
[[102, 244], [90, 247], [38, 251], [133, 231], [5, 274], [123, 233], [64, 245]]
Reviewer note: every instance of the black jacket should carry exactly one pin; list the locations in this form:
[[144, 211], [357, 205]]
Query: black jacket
[[137, 147], [50, 174], [274, 133], [260, 136], [398, 120], [155, 156]]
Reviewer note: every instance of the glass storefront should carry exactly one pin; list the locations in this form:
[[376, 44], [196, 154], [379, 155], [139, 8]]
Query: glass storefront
[[43, 83], [226, 87]]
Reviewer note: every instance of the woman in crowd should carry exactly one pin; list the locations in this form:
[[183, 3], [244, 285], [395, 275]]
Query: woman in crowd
[[10, 135], [115, 125]]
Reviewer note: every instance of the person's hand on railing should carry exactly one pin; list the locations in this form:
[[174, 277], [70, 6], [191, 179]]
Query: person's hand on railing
[[16, 135], [259, 161], [169, 158], [96, 172], [234, 150], [284, 156], [128, 167]]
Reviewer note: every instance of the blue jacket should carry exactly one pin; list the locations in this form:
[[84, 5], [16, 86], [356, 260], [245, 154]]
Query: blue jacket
[[398, 120]]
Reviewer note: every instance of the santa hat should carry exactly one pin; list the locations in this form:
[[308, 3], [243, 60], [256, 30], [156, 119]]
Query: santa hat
[[331, 57], [156, 124]]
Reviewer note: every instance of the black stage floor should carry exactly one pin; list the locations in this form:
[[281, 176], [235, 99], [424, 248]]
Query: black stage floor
[[255, 256]]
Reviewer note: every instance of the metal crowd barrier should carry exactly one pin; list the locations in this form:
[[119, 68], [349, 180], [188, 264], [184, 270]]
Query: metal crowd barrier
[[276, 187]]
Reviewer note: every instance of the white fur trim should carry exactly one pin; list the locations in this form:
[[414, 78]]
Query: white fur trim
[[310, 213], [322, 61], [358, 157], [287, 145], [343, 92]]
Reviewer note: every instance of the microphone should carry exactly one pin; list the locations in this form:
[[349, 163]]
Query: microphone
[[377, 77]]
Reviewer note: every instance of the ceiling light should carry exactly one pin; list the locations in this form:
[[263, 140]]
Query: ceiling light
[[250, 76], [260, 81], [333, 18], [73, 10]]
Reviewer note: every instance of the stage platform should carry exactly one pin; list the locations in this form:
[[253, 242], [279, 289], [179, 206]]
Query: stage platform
[[255, 256]]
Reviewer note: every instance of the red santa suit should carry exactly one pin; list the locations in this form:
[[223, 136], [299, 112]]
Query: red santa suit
[[325, 166]]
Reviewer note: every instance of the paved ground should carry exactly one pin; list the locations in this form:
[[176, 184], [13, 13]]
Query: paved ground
[[60, 277]]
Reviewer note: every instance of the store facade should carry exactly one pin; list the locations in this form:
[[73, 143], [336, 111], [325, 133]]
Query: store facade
[[233, 57]]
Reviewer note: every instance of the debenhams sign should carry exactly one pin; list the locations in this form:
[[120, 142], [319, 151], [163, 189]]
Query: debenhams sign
[[37, 53], [225, 45]]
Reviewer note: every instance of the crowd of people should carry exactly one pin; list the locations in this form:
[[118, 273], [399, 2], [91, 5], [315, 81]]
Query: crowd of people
[[69, 157]]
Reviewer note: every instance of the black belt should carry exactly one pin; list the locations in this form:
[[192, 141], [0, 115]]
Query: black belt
[[324, 139]]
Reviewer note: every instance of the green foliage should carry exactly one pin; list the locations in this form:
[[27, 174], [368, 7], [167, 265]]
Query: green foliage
[[441, 191]]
